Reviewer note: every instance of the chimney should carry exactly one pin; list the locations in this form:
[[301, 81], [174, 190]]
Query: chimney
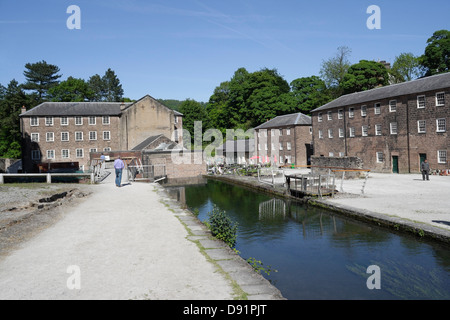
[[23, 110]]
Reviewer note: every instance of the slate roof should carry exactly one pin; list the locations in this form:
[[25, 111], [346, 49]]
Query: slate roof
[[146, 142], [75, 109], [293, 119], [436, 82]]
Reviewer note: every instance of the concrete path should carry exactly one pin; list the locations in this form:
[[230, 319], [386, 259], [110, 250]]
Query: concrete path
[[405, 196], [126, 243]]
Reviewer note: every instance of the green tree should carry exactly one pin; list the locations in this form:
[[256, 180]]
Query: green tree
[[309, 93], [364, 75], [406, 67], [40, 77], [193, 111], [333, 70], [10, 107], [436, 58], [71, 89], [106, 88]]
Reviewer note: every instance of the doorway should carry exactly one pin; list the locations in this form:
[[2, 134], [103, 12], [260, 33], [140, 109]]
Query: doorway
[[395, 164], [422, 157]]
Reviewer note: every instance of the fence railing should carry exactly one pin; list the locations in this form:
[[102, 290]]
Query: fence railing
[[147, 172], [47, 176], [311, 183]]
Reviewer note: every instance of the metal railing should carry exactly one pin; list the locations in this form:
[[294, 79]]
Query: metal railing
[[48, 176], [153, 172], [314, 184]]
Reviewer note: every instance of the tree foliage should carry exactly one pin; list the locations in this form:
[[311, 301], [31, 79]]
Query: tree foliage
[[436, 58], [193, 111], [72, 89], [406, 67], [365, 75], [40, 77], [333, 70]]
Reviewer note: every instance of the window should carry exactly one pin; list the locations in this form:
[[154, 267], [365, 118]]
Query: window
[[259, 147], [440, 98], [34, 121], [421, 126], [288, 132], [107, 149], [341, 154], [48, 121], [106, 135], [288, 146], [272, 132], [340, 114], [319, 117], [93, 150], [380, 157], [341, 133], [35, 155], [365, 131], [92, 120], [378, 129], [50, 137], [281, 132], [65, 153], [330, 133], [78, 136], [377, 108], [50, 154], [265, 146], [420, 102], [79, 153], [330, 154], [64, 121], [273, 146], [351, 112], [329, 115], [320, 134], [64, 136], [442, 156], [78, 121], [393, 106], [92, 135], [393, 127], [105, 120], [281, 146], [35, 137], [363, 111], [352, 132], [441, 125]]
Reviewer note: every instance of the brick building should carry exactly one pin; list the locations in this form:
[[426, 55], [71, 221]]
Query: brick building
[[70, 131], [284, 139], [391, 129]]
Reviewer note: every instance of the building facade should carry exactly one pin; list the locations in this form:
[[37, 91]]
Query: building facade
[[391, 129], [284, 139], [55, 132]]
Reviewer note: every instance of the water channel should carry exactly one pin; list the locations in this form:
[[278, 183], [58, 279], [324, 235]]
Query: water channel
[[319, 254]]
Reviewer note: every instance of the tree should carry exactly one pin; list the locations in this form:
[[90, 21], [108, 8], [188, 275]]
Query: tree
[[309, 93], [106, 88], [406, 67], [72, 89], [365, 75], [193, 111], [40, 77], [334, 69], [10, 107], [436, 58]]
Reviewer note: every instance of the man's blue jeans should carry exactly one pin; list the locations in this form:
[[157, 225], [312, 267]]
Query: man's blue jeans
[[118, 177]]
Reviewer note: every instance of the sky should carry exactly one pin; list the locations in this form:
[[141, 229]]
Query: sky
[[183, 49]]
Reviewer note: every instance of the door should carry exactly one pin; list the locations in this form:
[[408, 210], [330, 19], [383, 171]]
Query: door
[[422, 156], [395, 164]]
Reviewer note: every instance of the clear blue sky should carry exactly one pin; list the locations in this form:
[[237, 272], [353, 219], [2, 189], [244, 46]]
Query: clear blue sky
[[178, 49]]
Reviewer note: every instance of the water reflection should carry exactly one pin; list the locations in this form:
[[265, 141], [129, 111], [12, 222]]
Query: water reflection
[[321, 255]]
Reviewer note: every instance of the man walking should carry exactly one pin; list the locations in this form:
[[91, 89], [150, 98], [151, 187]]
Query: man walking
[[118, 165], [425, 168]]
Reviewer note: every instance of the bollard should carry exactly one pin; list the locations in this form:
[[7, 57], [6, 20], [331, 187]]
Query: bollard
[[49, 178], [1, 178]]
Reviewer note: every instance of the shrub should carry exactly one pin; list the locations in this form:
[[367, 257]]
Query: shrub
[[222, 227]]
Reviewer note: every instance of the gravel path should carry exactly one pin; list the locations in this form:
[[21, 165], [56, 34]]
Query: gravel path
[[109, 246]]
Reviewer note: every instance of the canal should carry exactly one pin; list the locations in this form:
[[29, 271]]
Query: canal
[[318, 254]]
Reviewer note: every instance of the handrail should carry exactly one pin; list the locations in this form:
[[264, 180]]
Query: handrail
[[47, 175]]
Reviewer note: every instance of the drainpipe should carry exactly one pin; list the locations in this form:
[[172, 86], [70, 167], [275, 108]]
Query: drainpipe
[[407, 137], [345, 133]]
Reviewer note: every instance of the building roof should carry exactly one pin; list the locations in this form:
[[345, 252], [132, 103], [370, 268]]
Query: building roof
[[84, 108], [436, 82], [245, 145], [293, 119], [75, 109], [146, 142]]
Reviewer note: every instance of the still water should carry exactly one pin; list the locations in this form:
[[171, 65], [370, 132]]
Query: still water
[[321, 255]]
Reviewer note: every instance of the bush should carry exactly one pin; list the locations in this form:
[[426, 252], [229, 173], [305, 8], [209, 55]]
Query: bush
[[222, 227]]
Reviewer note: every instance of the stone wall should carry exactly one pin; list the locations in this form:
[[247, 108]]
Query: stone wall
[[322, 165]]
